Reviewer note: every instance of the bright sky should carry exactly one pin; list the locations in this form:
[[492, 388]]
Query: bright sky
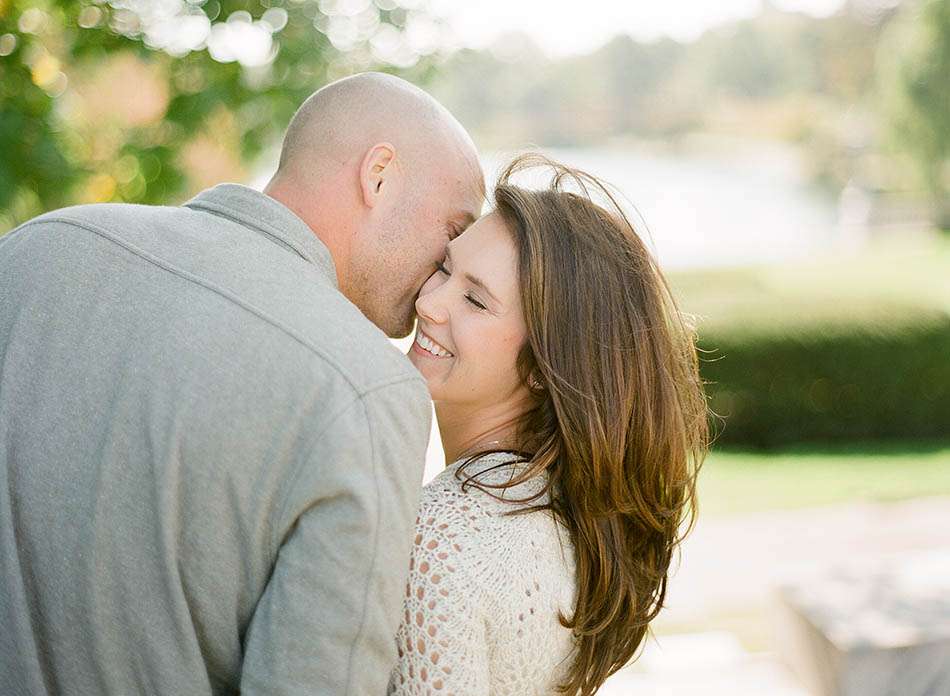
[[563, 27]]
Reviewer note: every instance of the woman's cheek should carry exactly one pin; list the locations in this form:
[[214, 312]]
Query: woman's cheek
[[514, 340]]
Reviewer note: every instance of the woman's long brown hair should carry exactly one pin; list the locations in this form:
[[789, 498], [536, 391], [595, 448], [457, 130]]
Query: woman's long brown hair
[[619, 419]]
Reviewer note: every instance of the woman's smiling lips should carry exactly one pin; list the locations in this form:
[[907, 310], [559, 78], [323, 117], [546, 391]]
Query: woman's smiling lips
[[429, 347]]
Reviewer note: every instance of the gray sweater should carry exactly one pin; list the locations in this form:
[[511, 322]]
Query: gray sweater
[[210, 461]]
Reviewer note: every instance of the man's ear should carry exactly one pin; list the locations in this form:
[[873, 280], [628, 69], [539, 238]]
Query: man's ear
[[377, 173]]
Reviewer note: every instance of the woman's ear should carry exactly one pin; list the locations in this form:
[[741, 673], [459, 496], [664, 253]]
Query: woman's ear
[[377, 173], [536, 381]]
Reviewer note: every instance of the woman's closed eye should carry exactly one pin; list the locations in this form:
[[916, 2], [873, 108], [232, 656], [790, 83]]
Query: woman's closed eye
[[472, 300], [440, 268]]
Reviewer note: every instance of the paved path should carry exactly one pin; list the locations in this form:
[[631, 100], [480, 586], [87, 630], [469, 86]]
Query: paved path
[[732, 563], [731, 566], [750, 676]]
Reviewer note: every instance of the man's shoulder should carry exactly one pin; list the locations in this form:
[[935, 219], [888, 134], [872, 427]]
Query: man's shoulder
[[338, 334], [90, 214], [235, 282], [146, 228]]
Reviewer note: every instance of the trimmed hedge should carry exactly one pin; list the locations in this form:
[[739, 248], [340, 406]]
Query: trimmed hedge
[[844, 350], [852, 384]]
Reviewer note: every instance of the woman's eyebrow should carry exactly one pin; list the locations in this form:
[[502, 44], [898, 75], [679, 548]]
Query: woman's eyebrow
[[480, 283]]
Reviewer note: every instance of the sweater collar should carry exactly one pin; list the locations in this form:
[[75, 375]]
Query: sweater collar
[[274, 220]]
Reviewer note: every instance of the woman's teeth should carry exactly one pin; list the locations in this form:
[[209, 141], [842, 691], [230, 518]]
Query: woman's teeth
[[431, 346]]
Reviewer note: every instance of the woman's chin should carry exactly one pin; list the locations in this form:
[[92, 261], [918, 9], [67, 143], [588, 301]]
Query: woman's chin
[[435, 390], [421, 366]]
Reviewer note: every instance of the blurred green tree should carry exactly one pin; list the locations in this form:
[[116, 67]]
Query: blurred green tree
[[915, 91], [143, 101]]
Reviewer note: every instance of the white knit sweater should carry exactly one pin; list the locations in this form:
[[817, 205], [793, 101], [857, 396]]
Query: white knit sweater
[[484, 592]]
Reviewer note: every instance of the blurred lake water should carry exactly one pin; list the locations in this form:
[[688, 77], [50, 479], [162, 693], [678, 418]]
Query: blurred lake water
[[731, 206]]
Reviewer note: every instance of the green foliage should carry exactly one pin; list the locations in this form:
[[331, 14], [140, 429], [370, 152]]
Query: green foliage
[[857, 383], [915, 89], [854, 349], [776, 75], [97, 105]]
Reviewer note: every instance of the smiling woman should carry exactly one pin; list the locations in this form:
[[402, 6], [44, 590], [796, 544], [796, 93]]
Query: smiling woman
[[470, 331], [567, 394]]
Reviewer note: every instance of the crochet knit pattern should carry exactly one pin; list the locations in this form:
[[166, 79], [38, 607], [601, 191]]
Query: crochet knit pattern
[[485, 590]]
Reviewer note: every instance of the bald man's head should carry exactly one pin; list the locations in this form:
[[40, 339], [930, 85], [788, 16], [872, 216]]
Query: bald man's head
[[351, 114], [385, 176]]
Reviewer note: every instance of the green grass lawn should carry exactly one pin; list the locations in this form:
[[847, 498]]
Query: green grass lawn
[[886, 279], [735, 482]]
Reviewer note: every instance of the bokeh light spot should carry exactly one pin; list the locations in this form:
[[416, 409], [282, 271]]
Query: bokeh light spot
[[240, 39], [275, 18], [101, 188], [32, 21], [90, 17], [7, 44], [126, 169], [45, 70]]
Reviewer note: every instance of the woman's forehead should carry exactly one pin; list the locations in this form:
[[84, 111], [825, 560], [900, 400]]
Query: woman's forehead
[[486, 240], [487, 250]]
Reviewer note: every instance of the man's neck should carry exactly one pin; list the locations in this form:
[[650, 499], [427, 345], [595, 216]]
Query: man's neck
[[322, 225]]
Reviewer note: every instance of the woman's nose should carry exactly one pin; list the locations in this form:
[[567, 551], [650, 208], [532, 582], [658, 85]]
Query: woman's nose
[[429, 304]]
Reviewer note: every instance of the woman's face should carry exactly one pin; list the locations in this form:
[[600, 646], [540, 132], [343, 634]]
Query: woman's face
[[471, 326]]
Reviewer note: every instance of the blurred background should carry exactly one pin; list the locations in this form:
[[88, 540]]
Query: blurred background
[[789, 161]]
